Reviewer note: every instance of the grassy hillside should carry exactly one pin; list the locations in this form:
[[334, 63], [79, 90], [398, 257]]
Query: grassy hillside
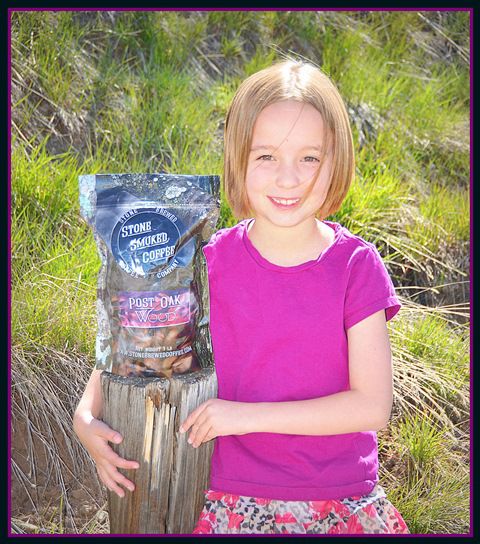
[[114, 91]]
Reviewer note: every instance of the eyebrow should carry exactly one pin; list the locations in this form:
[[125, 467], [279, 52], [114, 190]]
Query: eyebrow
[[272, 147]]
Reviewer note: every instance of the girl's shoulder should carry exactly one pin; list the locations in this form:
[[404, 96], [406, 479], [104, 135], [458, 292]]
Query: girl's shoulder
[[364, 264], [350, 243]]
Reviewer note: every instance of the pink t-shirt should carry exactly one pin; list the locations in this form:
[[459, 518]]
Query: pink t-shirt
[[279, 334]]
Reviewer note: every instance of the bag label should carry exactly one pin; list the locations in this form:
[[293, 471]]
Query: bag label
[[141, 309], [144, 239]]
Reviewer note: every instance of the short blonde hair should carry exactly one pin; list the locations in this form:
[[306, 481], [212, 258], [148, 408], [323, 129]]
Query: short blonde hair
[[286, 80]]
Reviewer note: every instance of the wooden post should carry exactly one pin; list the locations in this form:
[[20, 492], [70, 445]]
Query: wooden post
[[173, 475]]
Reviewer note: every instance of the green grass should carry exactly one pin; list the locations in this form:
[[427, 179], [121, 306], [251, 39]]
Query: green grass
[[432, 339], [435, 503], [444, 217], [148, 91], [433, 491]]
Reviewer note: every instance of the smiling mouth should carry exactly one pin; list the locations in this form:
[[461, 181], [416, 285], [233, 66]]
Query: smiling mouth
[[284, 202]]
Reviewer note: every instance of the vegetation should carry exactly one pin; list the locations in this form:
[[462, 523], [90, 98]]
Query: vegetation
[[125, 91]]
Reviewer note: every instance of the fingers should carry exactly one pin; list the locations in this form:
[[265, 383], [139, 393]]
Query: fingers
[[111, 485], [120, 462], [103, 430], [201, 424], [200, 435], [112, 478], [107, 460], [191, 419], [200, 429], [105, 452], [125, 463]]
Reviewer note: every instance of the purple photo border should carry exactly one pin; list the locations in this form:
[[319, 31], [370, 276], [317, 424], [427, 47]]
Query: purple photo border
[[9, 138]]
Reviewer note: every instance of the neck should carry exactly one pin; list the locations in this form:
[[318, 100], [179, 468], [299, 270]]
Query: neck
[[287, 245], [284, 238]]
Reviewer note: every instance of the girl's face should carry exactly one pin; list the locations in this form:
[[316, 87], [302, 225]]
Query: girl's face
[[284, 160]]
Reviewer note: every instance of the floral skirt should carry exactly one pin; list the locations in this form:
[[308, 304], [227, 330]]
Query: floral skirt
[[224, 513]]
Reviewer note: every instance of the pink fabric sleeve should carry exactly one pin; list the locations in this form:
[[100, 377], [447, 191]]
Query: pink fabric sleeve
[[369, 289]]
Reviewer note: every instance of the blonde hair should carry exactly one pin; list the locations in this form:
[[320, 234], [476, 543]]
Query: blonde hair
[[287, 80]]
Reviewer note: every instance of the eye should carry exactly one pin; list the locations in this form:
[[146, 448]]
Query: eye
[[311, 159], [265, 158]]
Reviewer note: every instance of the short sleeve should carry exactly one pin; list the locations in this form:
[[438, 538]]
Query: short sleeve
[[369, 288]]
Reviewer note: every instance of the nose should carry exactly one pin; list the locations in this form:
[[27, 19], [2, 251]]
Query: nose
[[287, 176]]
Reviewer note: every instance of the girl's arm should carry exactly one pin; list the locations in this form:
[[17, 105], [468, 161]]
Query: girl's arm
[[95, 435], [365, 407], [91, 400]]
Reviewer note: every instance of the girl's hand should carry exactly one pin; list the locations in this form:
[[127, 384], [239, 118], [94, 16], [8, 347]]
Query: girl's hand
[[216, 417], [95, 435]]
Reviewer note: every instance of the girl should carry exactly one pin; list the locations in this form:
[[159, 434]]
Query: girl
[[298, 310], [298, 321]]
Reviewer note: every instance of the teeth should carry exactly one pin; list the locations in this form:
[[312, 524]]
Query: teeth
[[284, 201]]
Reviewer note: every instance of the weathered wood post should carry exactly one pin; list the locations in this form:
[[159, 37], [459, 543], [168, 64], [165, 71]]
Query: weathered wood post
[[169, 484]]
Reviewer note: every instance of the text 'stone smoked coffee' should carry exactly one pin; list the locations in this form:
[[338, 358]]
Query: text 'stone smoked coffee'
[[152, 303]]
